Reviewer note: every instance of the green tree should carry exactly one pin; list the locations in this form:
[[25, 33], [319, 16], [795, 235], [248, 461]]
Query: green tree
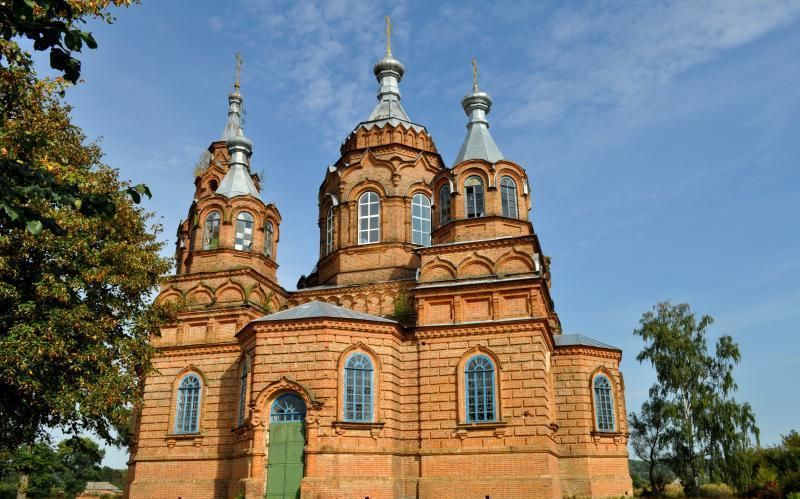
[[40, 470], [75, 303], [54, 26], [708, 428], [649, 432]]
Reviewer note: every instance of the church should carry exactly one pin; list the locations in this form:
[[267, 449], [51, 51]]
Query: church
[[422, 356]]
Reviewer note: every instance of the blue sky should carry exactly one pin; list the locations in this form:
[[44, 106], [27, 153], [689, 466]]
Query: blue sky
[[661, 139]]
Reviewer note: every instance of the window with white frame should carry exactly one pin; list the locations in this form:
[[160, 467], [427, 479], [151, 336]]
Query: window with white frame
[[508, 197], [329, 231], [479, 390], [421, 220], [187, 412], [603, 403], [243, 240], [474, 198], [211, 231], [358, 388], [369, 218]]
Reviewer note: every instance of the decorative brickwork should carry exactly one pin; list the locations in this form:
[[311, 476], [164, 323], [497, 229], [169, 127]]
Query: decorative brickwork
[[481, 289]]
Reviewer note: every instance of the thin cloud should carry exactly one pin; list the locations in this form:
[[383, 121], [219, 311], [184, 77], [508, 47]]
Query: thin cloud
[[612, 56]]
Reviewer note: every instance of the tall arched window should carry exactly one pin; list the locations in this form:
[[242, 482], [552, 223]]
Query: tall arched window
[[243, 390], [269, 239], [444, 204], [329, 231], [508, 197], [369, 218], [603, 403], [243, 240], [479, 388], [474, 189], [211, 231], [358, 388], [187, 413], [421, 220]]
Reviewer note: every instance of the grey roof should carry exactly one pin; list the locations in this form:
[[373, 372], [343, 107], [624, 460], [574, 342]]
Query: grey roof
[[567, 340], [318, 309], [478, 144], [237, 181], [235, 101]]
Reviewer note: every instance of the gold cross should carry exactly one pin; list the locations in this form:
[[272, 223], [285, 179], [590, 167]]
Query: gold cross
[[239, 64], [388, 36], [474, 75]]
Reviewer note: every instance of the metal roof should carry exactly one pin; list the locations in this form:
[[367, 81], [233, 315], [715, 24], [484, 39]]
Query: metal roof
[[235, 101], [478, 144], [318, 309], [567, 340], [237, 181]]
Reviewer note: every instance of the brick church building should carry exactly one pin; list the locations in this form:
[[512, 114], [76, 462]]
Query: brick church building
[[422, 356]]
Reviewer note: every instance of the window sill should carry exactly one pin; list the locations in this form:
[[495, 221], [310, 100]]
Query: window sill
[[499, 427], [173, 438], [375, 428], [608, 434]]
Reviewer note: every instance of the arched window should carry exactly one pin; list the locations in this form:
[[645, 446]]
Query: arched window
[[329, 231], [444, 204], [479, 388], [474, 189], [603, 403], [187, 413], [211, 231], [269, 238], [358, 388], [288, 408], [243, 391], [508, 197], [369, 218], [243, 240], [421, 220]]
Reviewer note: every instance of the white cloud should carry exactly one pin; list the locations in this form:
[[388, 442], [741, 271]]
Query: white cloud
[[612, 55]]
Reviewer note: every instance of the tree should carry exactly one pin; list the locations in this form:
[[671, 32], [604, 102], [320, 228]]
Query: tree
[[708, 428], [75, 303], [52, 25], [39, 470], [649, 438]]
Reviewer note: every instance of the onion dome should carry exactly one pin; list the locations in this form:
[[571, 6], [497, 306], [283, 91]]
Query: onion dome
[[478, 144], [237, 181]]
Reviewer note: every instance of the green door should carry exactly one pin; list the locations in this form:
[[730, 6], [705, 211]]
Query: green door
[[286, 442]]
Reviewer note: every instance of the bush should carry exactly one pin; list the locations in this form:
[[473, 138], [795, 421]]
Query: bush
[[715, 490], [673, 490], [793, 495]]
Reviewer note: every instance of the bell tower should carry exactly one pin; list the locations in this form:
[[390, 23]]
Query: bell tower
[[226, 253]]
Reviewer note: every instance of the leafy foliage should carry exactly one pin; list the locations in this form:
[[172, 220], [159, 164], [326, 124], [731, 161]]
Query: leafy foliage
[[24, 172], [75, 299], [773, 471], [649, 440], [705, 429], [60, 471]]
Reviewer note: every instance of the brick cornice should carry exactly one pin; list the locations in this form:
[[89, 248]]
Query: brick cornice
[[243, 271], [196, 349], [587, 350], [322, 323], [478, 244], [523, 324], [348, 289]]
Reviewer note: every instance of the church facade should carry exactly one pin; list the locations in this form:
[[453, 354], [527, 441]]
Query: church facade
[[422, 356]]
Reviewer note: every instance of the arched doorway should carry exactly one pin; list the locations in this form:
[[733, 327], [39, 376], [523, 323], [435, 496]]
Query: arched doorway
[[287, 438]]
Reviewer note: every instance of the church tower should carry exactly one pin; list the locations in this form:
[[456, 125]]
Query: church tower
[[375, 200]]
